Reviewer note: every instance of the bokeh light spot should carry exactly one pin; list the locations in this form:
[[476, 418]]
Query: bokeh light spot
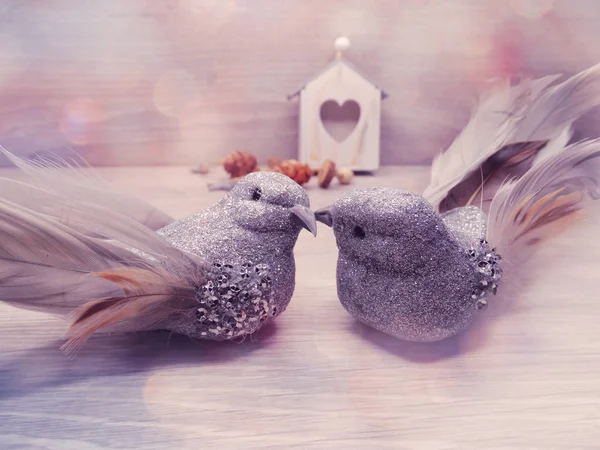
[[173, 92], [80, 118]]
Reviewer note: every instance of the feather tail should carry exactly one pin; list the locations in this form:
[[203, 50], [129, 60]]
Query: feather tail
[[104, 284], [531, 208], [511, 127], [76, 181], [63, 255], [150, 297]]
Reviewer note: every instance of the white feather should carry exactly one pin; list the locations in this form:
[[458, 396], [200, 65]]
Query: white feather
[[61, 253], [54, 254], [523, 210], [554, 146], [537, 110], [72, 183]]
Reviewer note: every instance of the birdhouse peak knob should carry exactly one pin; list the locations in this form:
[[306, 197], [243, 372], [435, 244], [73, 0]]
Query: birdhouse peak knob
[[341, 43]]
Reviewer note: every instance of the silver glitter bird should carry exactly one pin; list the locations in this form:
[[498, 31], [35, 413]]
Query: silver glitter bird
[[73, 247], [420, 268]]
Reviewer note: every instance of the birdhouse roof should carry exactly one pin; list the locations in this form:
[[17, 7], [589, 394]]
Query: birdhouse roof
[[331, 66]]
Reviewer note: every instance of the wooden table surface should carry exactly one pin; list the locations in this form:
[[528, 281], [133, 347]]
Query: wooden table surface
[[525, 377]]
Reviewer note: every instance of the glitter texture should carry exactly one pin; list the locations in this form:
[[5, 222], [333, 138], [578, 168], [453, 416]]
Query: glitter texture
[[405, 270], [235, 301], [249, 238], [467, 224]]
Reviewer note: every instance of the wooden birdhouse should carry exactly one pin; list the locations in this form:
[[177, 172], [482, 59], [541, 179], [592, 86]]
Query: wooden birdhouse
[[340, 111]]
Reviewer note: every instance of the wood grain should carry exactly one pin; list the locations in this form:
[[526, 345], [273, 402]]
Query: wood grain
[[525, 377]]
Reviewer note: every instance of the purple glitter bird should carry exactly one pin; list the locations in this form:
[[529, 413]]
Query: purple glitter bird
[[421, 268], [71, 246]]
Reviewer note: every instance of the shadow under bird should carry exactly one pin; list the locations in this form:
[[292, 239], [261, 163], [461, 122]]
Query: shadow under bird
[[71, 246], [422, 268]]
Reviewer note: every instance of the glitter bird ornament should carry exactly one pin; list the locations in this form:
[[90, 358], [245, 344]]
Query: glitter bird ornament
[[422, 268], [72, 247]]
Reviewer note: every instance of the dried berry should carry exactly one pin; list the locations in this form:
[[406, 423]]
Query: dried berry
[[238, 164], [297, 171]]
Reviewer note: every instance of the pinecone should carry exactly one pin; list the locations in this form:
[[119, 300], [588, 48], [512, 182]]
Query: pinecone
[[238, 164], [297, 171]]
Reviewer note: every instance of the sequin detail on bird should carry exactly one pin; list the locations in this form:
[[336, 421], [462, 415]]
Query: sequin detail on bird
[[235, 301], [486, 262]]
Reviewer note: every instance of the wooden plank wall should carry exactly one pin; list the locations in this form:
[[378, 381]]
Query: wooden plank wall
[[146, 82]]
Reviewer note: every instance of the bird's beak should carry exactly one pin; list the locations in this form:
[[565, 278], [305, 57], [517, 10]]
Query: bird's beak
[[306, 218], [323, 215]]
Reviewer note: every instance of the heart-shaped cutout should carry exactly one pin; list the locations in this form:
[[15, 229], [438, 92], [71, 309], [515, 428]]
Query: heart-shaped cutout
[[340, 121]]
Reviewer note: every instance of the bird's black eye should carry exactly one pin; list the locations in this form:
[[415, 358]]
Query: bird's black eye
[[256, 194], [358, 232]]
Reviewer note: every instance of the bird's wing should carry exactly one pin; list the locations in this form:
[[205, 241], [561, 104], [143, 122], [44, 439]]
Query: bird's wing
[[545, 198], [67, 179], [510, 126]]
